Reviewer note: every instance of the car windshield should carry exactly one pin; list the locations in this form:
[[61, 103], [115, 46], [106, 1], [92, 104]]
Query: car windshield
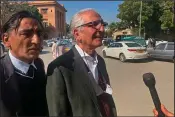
[[63, 42], [133, 45]]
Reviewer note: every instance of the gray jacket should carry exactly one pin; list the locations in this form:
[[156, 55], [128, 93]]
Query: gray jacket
[[2, 49], [70, 92]]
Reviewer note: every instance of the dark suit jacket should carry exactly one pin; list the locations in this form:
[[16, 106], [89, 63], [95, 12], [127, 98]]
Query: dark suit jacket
[[69, 89], [10, 94]]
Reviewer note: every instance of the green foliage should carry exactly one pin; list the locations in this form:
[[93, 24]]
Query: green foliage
[[129, 12], [10, 7], [155, 16], [116, 25], [31, 9], [167, 15], [112, 26], [67, 28]]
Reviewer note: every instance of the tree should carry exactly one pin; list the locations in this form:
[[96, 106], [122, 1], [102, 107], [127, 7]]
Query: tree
[[112, 26], [167, 15], [9, 7], [67, 28], [156, 15], [129, 12], [32, 9]]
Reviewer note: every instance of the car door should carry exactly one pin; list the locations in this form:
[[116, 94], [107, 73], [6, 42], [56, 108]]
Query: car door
[[169, 51], [158, 51], [116, 50], [108, 50], [113, 50]]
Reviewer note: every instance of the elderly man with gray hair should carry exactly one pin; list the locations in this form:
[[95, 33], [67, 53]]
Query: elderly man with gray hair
[[78, 83]]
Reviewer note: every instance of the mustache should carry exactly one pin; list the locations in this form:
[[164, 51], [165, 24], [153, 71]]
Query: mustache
[[98, 34], [35, 48]]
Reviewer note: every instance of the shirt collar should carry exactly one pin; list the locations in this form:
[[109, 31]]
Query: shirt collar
[[20, 65], [84, 54]]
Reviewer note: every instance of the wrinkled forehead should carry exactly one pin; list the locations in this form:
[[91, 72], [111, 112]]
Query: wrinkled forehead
[[30, 23], [90, 16]]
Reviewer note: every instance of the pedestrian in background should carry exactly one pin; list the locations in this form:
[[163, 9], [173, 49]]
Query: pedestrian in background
[[55, 50]]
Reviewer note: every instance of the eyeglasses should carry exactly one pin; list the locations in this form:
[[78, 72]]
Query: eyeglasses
[[95, 24]]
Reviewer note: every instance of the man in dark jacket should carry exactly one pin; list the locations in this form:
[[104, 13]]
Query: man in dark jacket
[[22, 74], [78, 82], [2, 49]]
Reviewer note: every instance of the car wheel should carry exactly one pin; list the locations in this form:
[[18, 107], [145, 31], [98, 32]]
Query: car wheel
[[122, 58], [104, 54]]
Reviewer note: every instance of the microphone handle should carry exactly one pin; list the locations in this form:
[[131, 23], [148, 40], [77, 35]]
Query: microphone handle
[[156, 101]]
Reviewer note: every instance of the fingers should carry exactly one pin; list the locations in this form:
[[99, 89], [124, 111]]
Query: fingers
[[166, 112], [155, 113]]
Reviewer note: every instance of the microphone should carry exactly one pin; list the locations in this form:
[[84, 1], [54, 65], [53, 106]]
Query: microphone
[[150, 82]]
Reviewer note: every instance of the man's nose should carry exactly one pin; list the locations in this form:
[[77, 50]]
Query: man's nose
[[102, 28], [36, 39]]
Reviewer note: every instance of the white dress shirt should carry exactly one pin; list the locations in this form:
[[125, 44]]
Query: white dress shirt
[[20, 65], [90, 61]]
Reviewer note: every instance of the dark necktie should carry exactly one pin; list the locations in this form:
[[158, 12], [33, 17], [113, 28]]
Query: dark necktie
[[31, 71]]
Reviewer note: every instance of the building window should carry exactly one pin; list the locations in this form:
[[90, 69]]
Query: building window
[[44, 10]]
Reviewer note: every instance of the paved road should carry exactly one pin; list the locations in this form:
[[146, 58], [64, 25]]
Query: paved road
[[131, 96]]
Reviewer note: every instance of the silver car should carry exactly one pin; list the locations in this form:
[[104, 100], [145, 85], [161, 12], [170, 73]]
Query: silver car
[[162, 51]]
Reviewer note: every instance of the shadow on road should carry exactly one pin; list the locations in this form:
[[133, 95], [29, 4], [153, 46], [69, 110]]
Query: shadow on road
[[135, 61], [45, 52], [141, 61], [168, 61], [144, 60]]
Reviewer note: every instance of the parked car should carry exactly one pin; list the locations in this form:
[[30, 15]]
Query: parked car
[[125, 50], [158, 42], [49, 42], [107, 41], [67, 45], [163, 51]]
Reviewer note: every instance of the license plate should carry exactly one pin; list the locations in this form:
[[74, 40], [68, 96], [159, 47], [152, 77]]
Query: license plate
[[140, 51]]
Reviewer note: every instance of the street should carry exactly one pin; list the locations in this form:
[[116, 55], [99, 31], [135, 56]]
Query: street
[[131, 96]]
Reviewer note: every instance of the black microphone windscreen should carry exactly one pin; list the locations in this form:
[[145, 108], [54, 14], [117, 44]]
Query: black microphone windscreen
[[149, 80]]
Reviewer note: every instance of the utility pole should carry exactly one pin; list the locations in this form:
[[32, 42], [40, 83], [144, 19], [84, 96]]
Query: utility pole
[[140, 18], [174, 14]]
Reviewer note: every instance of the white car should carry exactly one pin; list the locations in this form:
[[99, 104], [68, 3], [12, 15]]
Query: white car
[[125, 50]]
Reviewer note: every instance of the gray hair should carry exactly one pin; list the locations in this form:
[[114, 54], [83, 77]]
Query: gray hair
[[77, 20]]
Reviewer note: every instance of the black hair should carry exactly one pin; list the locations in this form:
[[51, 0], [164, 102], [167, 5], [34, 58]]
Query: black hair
[[15, 20]]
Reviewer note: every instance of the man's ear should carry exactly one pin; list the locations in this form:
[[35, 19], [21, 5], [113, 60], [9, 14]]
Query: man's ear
[[75, 32], [5, 39], [77, 35]]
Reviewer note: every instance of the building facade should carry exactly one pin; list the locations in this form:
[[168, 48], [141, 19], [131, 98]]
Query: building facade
[[54, 16]]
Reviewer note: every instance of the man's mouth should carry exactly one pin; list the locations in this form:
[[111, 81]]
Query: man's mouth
[[34, 49], [99, 37]]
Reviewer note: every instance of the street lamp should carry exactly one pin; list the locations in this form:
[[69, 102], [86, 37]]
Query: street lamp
[[140, 19]]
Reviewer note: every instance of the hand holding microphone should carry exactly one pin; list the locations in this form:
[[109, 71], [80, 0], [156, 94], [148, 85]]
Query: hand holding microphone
[[164, 110], [150, 82]]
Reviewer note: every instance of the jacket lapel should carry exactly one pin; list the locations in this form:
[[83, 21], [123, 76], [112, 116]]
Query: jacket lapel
[[11, 95], [102, 69], [84, 75]]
